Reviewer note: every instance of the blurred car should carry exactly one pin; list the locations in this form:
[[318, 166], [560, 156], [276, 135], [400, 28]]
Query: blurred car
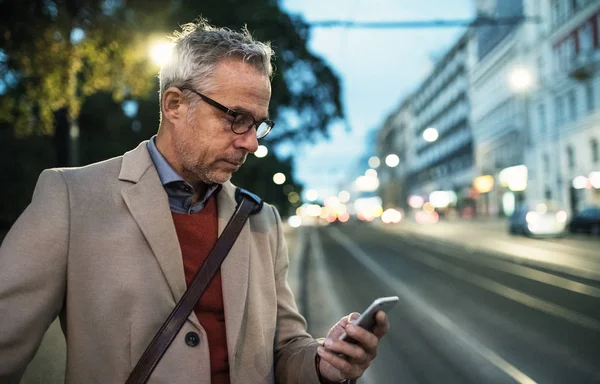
[[588, 221], [538, 220]]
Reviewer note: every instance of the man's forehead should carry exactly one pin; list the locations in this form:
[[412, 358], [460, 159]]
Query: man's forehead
[[238, 67], [243, 80]]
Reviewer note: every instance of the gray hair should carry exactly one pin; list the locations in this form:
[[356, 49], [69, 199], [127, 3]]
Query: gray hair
[[199, 48]]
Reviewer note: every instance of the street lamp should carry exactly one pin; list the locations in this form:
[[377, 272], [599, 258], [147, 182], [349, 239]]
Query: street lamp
[[520, 79], [430, 135], [160, 52]]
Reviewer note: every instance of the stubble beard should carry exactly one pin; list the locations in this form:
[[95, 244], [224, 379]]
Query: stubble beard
[[190, 160]]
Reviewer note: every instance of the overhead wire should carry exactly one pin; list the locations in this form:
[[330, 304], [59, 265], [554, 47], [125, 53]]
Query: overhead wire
[[440, 23]]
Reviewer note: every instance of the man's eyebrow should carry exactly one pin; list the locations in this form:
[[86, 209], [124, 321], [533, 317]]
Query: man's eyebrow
[[238, 108]]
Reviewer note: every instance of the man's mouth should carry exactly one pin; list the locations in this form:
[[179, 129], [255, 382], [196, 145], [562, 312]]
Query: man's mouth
[[234, 163]]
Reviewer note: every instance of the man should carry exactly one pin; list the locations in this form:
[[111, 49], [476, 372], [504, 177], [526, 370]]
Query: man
[[110, 247]]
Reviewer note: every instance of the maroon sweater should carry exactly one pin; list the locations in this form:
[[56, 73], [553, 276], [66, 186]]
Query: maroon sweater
[[197, 235]]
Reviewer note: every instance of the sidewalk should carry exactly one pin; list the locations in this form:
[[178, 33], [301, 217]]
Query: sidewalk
[[577, 255]]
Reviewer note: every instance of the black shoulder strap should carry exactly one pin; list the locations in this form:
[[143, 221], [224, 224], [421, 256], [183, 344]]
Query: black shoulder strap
[[247, 204], [241, 193]]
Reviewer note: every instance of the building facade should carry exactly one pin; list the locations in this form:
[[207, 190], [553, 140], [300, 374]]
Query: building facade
[[498, 120], [565, 107], [442, 103], [517, 109], [395, 138]]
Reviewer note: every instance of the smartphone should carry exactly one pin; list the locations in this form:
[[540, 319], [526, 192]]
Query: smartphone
[[367, 318]]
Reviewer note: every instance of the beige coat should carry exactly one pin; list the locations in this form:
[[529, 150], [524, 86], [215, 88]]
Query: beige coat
[[97, 247]]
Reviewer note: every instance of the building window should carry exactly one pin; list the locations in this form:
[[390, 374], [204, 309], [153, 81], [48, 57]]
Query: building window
[[572, 105], [594, 148], [571, 49], [590, 96], [556, 16], [546, 164], [548, 194], [542, 118], [560, 111], [586, 38], [570, 157]]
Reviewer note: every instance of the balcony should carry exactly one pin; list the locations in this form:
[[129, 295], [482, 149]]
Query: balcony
[[564, 15], [584, 65]]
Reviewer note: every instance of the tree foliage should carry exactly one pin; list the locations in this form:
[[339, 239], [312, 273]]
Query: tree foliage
[[56, 53], [77, 60], [53, 54]]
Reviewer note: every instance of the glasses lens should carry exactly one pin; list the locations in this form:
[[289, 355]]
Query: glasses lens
[[263, 129], [242, 123]]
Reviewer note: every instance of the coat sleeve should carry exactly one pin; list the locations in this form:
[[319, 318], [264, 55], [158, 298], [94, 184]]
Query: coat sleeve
[[295, 349], [33, 263]]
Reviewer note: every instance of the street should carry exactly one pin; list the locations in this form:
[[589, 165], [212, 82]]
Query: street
[[464, 316]]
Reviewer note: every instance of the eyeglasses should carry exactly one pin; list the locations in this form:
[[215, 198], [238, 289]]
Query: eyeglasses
[[242, 121]]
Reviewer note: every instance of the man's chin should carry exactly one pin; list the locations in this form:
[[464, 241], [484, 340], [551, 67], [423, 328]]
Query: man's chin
[[219, 177]]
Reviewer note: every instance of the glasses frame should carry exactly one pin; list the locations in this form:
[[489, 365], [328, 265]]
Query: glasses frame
[[234, 114]]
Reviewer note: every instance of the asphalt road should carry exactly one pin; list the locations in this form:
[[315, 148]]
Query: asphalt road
[[462, 318]]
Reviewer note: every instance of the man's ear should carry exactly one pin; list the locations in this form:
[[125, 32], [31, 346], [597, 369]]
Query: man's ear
[[173, 104]]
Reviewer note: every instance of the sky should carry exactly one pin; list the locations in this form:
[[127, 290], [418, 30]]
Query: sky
[[378, 68]]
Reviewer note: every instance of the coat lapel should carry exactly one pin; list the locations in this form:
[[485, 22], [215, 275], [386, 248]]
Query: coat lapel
[[149, 205], [234, 271]]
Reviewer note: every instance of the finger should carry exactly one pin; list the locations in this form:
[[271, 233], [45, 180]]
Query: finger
[[340, 327], [355, 353], [351, 318], [382, 325], [366, 339], [346, 368]]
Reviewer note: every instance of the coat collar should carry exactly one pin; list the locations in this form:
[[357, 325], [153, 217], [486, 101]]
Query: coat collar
[[149, 205]]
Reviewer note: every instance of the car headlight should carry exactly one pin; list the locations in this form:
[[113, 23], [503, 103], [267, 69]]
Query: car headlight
[[561, 216], [531, 217]]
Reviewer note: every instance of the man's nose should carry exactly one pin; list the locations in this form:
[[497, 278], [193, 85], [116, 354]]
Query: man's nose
[[248, 141]]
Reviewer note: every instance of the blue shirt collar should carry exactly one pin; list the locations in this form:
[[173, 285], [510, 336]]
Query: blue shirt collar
[[166, 173]]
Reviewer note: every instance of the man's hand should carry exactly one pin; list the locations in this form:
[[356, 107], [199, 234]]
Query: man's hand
[[341, 360]]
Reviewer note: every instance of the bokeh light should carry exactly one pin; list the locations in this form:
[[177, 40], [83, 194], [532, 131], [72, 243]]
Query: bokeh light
[[374, 162], [344, 196], [392, 160], [295, 221], [293, 197], [262, 151], [279, 178], [160, 52], [311, 195]]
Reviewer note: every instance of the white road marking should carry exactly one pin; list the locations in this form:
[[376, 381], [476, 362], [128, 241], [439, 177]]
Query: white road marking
[[325, 281], [526, 272], [509, 293], [418, 302]]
